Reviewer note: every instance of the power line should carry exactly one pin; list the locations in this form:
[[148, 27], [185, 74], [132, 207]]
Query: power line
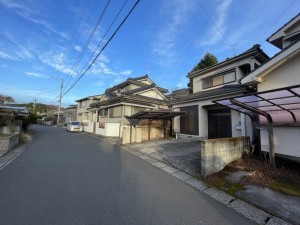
[[186, 48], [267, 30], [216, 26], [88, 41], [63, 51], [104, 35], [109, 40]]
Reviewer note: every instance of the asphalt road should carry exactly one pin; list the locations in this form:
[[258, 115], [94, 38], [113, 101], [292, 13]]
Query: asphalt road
[[76, 179]]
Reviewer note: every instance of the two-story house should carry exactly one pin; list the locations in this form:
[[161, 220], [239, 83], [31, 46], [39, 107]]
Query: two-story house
[[70, 113], [125, 99], [83, 114], [206, 119]]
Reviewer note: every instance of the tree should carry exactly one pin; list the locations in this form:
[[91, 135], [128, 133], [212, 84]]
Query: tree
[[207, 61], [4, 98]]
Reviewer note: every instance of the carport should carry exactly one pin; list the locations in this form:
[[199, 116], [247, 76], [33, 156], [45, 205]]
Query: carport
[[153, 115], [277, 107]]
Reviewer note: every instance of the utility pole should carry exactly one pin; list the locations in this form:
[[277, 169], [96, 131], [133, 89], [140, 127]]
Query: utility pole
[[60, 97], [35, 105]]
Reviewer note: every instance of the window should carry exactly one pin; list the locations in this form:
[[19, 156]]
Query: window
[[83, 104], [103, 112], [218, 80], [115, 111]]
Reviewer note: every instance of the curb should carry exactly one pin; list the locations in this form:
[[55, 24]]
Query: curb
[[15, 153], [253, 213]]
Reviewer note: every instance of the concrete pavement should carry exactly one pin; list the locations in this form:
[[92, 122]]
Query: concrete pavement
[[181, 158]]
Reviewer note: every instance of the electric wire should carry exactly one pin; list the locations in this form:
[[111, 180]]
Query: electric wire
[[102, 49], [216, 26], [112, 23], [186, 48], [274, 22], [88, 41], [79, 34]]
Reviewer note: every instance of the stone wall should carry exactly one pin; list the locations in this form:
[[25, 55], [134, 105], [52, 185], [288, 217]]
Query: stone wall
[[217, 153], [8, 142]]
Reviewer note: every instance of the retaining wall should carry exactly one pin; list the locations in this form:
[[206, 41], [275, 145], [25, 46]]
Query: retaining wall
[[217, 153], [7, 143]]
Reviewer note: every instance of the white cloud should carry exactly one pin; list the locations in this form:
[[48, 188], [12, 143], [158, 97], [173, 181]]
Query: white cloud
[[77, 48], [218, 27], [36, 75], [126, 72], [176, 15], [58, 61], [22, 51], [30, 13], [4, 55]]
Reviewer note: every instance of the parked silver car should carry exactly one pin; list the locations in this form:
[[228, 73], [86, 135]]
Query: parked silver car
[[74, 126]]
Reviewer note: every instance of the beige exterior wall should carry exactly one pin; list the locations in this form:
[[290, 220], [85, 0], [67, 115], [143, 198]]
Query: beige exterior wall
[[197, 81], [284, 76], [152, 94]]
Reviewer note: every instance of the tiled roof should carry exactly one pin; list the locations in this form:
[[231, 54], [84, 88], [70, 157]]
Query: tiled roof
[[282, 26], [179, 93], [256, 48], [214, 93], [130, 98]]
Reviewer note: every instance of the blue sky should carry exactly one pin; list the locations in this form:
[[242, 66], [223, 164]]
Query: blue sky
[[163, 38]]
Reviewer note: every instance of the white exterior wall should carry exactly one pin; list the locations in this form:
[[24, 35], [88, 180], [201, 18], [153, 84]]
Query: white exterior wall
[[236, 123], [236, 117], [286, 140], [284, 76], [110, 130], [89, 127]]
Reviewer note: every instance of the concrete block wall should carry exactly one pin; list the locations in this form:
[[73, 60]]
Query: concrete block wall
[[217, 153], [7, 143], [10, 129], [136, 135], [155, 133]]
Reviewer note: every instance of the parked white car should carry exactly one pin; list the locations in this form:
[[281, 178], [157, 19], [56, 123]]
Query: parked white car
[[74, 126]]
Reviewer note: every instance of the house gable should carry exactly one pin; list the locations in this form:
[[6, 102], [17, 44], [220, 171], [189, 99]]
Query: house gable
[[229, 71], [284, 66], [153, 93], [287, 34]]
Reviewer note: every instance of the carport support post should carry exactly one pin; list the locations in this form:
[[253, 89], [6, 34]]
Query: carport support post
[[130, 132], [149, 128], [164, 123], [171, 126], [271, 143], [270, 127]]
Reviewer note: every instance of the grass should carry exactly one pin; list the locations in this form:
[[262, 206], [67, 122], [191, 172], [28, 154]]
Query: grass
[[279, 179], [25, 137], [286, 187], [218, 181]]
